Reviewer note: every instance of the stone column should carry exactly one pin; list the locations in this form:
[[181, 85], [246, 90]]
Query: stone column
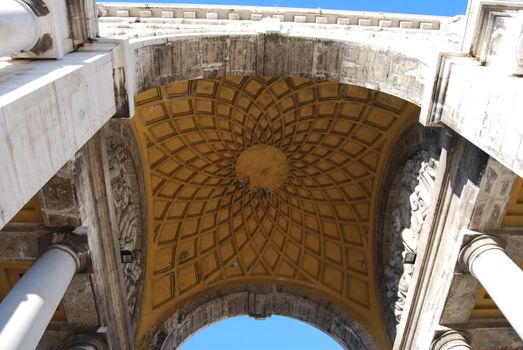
[[28, 308], [451, 340], [18, 27], [499, 275], [86, 342]]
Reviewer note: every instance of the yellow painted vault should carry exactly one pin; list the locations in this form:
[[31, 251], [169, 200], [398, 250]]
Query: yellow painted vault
[[261, 179]]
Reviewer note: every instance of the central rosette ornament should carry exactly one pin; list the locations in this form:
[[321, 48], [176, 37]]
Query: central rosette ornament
[[261, 168]]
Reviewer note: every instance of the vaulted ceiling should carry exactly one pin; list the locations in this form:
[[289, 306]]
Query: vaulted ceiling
[[264, 179]]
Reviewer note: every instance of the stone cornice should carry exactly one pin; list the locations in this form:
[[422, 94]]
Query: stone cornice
[[173, 12]]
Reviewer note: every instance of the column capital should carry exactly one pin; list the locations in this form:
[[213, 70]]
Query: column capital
[[86, 342], [74, 244], [451, 340], [475, 248]]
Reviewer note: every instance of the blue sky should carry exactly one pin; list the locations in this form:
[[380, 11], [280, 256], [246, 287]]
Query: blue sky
[[427, 7], [280, 333], [273, 333]]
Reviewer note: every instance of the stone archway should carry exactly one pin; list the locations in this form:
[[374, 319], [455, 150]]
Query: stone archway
[[260, 301]]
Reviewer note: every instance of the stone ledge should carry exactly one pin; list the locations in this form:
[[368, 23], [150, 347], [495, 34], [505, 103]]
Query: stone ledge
[[140, 12]]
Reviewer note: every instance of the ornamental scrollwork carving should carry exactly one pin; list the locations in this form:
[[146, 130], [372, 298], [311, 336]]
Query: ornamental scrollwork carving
[[411, 196], [128, 216]]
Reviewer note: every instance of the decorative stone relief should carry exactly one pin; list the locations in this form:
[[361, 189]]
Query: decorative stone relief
[[126, 201], [412, 187], [502, 35]]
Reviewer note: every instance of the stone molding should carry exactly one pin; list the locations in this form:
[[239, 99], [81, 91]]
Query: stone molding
[[405, 196], [495, 25], [475, 248], [433, 103], [107, 280], [83, 21], [126, 192], [126, 206], [73, 243], [58, 200], [451, 340], [260, 301], [491, 49], [420, 169], [168, 12], [462, 168], [86, 342], [496, 189], [37, 6], [53, 28]]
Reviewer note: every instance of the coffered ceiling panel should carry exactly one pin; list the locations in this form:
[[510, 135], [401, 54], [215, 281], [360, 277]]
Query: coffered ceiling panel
[[264, 179]]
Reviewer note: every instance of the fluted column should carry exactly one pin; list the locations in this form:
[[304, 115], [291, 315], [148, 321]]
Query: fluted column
[[451, 340], [28, 308], [18, 27], [499, 275]]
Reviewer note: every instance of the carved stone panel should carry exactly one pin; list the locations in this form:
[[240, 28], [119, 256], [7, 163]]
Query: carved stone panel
[[407, 194], [128, 209]]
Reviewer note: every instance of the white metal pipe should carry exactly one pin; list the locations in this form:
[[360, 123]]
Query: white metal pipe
[[499, 275], [28, 308], [18, 27]]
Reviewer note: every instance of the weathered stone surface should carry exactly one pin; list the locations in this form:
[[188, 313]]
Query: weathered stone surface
[[485, 114], [79, 303], [394, 70], [495, 338], [460, 300], [54, 339], [95, 214], [20, 243], [59, 206], [498, 131], [127, 196], [440, 244], [83, 21], [489, 210], [69, 99], [496, 187], [256, 13], [401, 212], [261, 301]]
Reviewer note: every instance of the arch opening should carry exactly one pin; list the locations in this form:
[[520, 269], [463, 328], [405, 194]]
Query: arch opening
[[273, 332], [262, 301]]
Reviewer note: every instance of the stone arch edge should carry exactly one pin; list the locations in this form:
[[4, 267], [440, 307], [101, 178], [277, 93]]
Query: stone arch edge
[[262, 300], [121, 147], [414, 140], [158, 61]]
